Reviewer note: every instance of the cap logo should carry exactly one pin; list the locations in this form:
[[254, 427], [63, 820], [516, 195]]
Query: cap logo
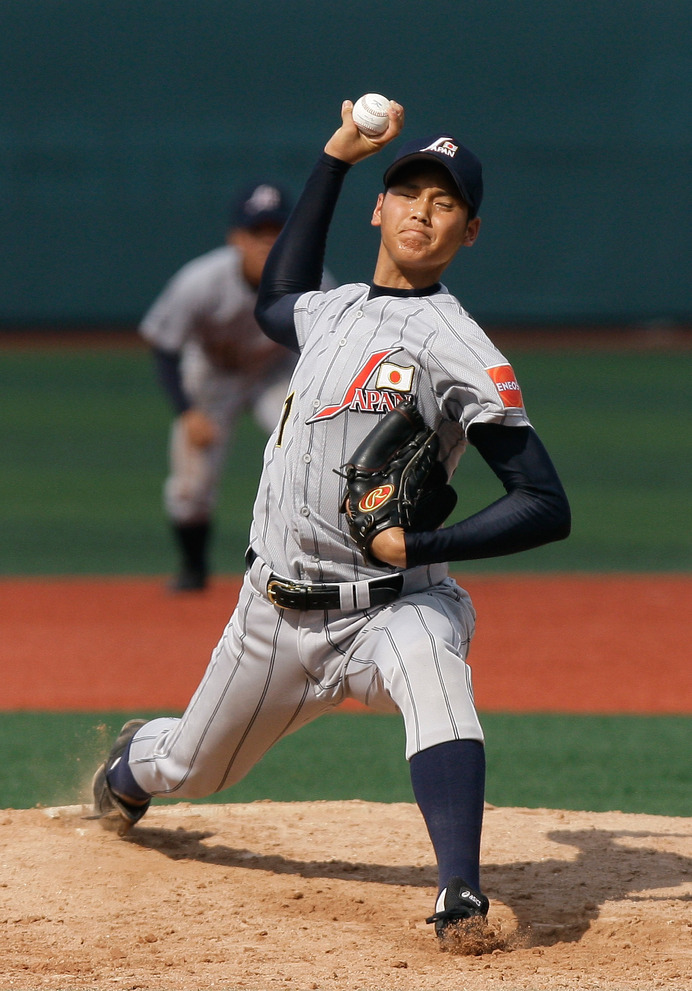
[[443, 145], [263, 199]]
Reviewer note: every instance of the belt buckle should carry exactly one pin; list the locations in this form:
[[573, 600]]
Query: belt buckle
[[275, 585], [272, 585]]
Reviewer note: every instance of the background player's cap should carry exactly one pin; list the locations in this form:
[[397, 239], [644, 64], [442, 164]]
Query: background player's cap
[[462, 165], [260, 203]]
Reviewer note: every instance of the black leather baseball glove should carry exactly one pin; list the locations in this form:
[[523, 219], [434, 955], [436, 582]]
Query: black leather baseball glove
[[394, 478]]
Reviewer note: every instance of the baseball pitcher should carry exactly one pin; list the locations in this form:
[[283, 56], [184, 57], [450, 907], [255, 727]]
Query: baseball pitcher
[[347, 592]]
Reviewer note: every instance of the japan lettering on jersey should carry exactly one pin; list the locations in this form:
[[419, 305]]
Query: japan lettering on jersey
[[377, 387]]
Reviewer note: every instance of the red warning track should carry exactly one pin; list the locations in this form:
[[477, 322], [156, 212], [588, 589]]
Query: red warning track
[[550, 643]]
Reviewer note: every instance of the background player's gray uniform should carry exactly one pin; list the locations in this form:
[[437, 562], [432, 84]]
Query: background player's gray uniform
[[205, 313], [273, 670]]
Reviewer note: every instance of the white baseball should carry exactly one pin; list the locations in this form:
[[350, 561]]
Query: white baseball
[[370, 114]]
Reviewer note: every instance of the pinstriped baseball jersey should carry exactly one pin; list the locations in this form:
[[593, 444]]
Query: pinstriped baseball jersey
[[360, 357]]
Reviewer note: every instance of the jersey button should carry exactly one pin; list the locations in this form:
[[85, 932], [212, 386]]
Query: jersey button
[[307, 458], [304, 510], [342, 342]]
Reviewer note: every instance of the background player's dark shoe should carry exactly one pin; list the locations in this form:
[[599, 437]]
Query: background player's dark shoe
[[192, 540], [188, 580], [106, 803], [457, 903]]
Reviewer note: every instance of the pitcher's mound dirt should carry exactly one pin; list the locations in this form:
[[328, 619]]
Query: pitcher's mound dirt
[[333, 895]]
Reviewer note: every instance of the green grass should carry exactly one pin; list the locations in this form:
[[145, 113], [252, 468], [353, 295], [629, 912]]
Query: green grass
[[593, 763], [84, 436]]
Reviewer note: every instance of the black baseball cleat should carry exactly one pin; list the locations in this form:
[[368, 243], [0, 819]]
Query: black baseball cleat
[[455, 904], [106, 803]]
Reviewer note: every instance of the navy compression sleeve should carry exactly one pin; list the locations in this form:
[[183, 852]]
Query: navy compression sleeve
[[296, 262], [167, 365], [534, 511]]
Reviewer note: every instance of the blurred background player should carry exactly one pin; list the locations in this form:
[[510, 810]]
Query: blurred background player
[[214, 363]]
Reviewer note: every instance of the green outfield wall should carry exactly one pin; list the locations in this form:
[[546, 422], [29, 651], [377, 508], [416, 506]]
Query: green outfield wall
[[125, 126]]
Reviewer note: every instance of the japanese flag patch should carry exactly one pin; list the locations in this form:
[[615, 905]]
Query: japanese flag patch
[[391, 376], [506, 384]]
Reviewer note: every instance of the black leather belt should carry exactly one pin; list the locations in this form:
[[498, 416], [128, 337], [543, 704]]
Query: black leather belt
[[288, 594]]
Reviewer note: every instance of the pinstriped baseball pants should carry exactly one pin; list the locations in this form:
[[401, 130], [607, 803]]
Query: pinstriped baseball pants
[[273, 671]]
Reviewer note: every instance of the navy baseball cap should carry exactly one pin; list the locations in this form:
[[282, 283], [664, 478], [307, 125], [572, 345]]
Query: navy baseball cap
[[463, 166], [261, 203]]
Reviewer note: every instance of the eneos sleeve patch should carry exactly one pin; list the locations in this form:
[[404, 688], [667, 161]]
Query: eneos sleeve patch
[[506, 384]]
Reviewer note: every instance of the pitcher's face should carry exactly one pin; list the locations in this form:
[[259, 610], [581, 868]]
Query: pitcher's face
[[423, 221]]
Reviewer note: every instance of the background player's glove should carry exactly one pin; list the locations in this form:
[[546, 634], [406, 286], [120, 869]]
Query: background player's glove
[[395, 479]]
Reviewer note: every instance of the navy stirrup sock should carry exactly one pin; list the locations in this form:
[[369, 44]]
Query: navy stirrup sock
[[449, 786], [122, 781]]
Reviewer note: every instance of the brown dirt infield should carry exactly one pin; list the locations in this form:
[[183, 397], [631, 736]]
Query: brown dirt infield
[[333, 895]]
